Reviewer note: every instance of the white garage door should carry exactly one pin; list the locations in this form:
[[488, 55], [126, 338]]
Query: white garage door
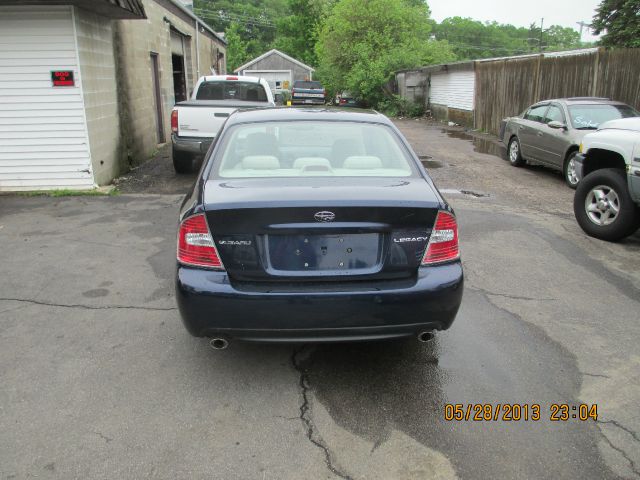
[[455, 89], [43, 132], [277, 79]]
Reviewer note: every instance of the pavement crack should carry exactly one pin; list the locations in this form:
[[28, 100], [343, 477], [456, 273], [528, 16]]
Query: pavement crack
[[594, 375], [632, 464], [514, 297], [622, 427], [87, 307], [305, 407], [104, 437]]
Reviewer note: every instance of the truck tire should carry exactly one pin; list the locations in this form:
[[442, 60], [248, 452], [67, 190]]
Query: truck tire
[[603, 207], [182, 162]]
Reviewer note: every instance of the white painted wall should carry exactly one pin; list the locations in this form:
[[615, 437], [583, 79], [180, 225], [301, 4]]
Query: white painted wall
[[453, 89], [272, 76], [43, 130]]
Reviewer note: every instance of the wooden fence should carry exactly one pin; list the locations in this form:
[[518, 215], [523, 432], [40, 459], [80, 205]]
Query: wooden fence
[[506, 87]]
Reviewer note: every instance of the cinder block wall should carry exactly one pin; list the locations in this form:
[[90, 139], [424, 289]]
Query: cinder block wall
[[97, 69], [135, 40]]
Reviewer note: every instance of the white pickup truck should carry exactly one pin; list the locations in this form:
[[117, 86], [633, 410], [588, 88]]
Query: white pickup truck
[[196, 122], [607, 200]]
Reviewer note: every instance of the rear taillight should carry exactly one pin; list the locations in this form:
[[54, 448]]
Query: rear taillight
[[443, 242], [232, 78], [174, 121], [343, 101], [195, 244], [293, 90]]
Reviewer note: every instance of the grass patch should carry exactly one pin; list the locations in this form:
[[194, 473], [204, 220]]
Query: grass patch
[[69, 193]]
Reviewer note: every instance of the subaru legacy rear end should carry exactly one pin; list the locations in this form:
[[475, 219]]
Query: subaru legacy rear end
[[315, 226]]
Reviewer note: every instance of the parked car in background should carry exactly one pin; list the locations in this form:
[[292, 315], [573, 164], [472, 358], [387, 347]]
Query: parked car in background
[[549, 132], [315, 225], [308, 92], [346, 99], [607, 201], [195, 123]]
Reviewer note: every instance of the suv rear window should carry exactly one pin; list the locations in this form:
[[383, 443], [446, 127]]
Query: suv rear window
[[307, 85], [231, 90]]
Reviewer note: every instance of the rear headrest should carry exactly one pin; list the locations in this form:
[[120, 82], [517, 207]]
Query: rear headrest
[[303, 162], [260, 162], [362, 163]]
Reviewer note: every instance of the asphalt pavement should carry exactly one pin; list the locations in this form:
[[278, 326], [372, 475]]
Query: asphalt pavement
[[99, 379]]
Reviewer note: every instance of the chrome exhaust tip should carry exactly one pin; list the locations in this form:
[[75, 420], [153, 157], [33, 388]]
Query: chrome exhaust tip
[[218, 343], [425, 337]]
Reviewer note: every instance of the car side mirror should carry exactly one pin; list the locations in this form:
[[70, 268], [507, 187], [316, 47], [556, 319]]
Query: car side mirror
[[557, 125]]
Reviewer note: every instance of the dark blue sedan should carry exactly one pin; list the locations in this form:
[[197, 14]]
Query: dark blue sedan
[[315, 225]]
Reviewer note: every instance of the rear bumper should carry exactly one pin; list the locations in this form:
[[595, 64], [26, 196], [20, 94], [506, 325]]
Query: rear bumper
[[211, 306], [308, 101], [192, 145]]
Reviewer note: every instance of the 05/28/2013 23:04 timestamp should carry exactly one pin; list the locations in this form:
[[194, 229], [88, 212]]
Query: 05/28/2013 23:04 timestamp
[[516, 412]]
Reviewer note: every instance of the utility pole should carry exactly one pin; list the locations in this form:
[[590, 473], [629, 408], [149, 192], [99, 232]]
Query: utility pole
[[541, 27], [582, 25]]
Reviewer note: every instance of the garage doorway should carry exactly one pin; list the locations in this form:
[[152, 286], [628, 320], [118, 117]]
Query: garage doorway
[[178, 67], [179, 78]]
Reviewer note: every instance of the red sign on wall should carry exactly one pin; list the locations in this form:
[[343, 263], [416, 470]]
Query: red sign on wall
[[62, 78]]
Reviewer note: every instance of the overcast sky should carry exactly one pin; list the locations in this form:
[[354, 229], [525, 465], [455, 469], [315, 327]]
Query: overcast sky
[[519, 12]]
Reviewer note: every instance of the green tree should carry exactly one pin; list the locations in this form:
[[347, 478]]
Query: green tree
[[297, 33], [363, 42], [236, 47], [561, 38], [256, 20], [619, 20], [471, 39]]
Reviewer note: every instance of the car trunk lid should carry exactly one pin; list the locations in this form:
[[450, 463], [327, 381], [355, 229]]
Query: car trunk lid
[[346, 230]]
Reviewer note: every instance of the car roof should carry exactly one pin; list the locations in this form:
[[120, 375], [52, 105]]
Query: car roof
[[330, 114], [581, 101]]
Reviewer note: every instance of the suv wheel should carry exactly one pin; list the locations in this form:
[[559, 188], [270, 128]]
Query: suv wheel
[[182, 163], [570, 176], [603, 207], [513, 151]]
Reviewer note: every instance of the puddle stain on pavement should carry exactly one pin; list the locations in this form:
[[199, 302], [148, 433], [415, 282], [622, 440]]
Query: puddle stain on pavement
[[480, 144], [372, 389]]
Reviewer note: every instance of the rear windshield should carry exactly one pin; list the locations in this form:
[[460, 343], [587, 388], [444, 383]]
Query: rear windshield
[[309, 148], [231, 90], [308, 85], [589, 117]]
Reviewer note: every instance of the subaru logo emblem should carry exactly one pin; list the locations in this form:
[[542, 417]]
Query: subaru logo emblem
[[325, 216]]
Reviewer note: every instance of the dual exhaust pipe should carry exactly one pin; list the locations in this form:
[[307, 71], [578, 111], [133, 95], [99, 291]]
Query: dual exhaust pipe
[[426, 336], [221, 343]]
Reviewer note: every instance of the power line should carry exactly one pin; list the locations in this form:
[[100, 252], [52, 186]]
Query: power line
[[237, 18]]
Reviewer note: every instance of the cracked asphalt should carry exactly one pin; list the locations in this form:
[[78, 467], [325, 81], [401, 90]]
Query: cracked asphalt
[[98, 378]]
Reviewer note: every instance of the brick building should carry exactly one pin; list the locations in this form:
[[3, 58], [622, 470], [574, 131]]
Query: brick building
[[87, 86]]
